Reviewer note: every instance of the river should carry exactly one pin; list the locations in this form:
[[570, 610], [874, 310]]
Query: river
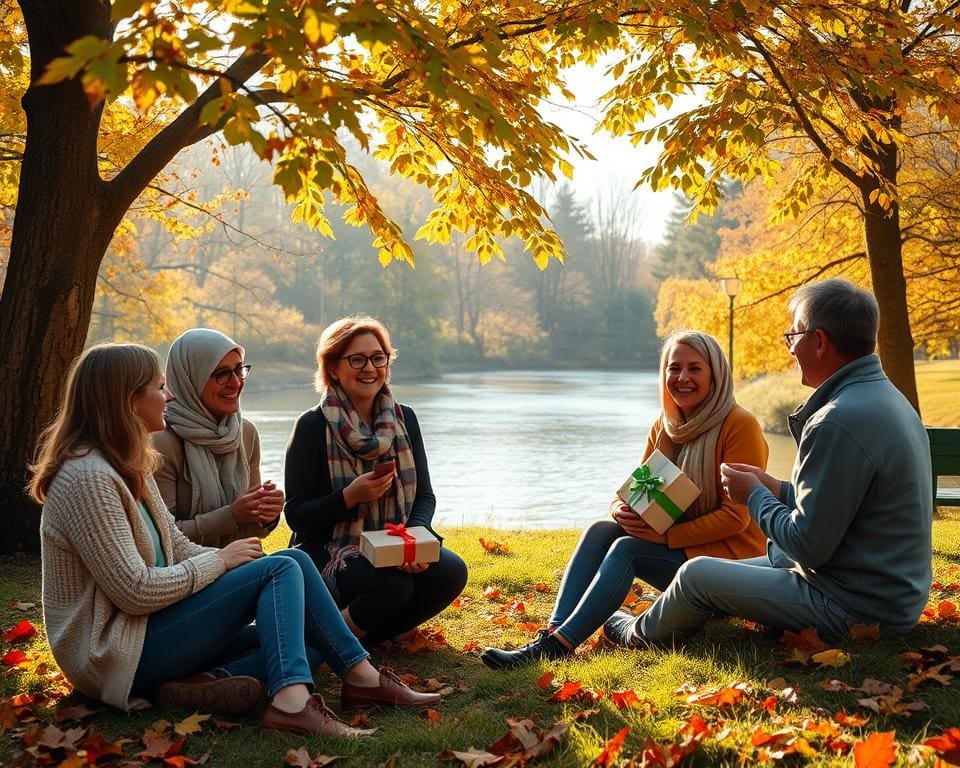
[[513, 449]]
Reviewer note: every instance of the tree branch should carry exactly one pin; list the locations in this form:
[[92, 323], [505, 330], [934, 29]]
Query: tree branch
[[182, 132]]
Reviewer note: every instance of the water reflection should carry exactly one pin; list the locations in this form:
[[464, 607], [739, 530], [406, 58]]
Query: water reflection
[[514, 449]]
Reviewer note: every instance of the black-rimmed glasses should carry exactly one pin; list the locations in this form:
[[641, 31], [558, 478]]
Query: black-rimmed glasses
[[789, 336], [222, 375], [377, 360]]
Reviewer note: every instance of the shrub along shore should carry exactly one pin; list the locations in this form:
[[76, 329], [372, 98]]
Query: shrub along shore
[[772, 699]]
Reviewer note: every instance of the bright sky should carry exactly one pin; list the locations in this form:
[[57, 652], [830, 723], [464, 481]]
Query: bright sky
[[618, 164]]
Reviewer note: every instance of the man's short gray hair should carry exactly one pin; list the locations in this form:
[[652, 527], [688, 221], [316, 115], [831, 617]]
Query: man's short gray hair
[[848, 314]]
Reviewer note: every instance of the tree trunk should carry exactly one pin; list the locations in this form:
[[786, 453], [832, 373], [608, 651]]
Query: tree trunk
[[59, 238], [884, 252]]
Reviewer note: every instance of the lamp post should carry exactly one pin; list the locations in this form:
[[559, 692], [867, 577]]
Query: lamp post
[[731, 287]]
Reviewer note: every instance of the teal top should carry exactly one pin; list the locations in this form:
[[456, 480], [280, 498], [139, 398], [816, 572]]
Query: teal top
[[161, 561]]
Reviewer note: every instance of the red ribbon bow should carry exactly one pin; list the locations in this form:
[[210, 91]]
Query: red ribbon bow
[[409, 543]]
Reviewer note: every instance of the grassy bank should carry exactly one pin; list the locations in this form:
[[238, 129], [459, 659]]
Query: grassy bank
[[477, 701], [773, 397]]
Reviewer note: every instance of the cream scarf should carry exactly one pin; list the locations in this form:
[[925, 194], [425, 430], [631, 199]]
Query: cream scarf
[[216, 461]]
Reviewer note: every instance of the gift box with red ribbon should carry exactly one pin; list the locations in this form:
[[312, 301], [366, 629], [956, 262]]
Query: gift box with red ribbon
[[397, 544]]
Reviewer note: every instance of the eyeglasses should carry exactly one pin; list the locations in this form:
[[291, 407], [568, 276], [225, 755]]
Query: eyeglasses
[[789, 336], [222, 375], [377, 360]]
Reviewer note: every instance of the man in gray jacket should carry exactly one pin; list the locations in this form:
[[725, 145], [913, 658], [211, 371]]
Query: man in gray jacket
[[849, 536]]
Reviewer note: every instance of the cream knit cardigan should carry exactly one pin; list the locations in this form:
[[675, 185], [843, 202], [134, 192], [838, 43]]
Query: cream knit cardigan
[[100, 583]]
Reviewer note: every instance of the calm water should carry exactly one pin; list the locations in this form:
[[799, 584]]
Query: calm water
[[514, 449]]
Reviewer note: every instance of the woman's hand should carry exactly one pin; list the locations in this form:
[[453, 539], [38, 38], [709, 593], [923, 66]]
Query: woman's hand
[[240, 551], [413, 567], [258, 505], [366, 487], [633, 524], [740, 479], [271, 503]]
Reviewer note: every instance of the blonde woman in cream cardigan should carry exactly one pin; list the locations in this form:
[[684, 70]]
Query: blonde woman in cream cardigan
[[700, 426], [134, 610]]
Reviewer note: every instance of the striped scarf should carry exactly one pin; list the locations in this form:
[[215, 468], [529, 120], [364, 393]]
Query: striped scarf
[[352, 449]]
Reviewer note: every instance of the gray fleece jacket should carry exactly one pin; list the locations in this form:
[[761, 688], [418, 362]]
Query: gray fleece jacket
[[856, 518]]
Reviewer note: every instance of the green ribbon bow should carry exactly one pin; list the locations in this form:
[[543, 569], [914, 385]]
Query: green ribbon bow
[[645, 483]]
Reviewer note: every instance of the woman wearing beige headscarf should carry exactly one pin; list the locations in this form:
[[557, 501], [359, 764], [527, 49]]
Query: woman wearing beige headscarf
[[699, 427], [210, 477]]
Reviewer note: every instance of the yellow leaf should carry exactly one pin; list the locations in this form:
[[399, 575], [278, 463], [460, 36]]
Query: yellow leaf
[[190, 724], [567, 169], [833, 657]]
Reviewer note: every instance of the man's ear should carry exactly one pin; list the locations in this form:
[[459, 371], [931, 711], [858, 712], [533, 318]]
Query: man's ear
[[823, 342]]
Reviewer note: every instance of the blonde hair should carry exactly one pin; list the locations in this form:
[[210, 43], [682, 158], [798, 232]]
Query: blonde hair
[[97, 413], [336, 338]]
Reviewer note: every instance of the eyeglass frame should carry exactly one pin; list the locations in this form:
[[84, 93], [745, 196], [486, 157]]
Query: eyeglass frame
[[366, 359], [789, 336], [223, 376]]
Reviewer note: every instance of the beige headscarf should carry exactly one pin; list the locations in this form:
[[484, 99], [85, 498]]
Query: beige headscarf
[[216, 462], [692, 443]]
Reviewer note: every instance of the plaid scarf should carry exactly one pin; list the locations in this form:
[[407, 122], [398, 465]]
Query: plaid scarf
[[352, 449]]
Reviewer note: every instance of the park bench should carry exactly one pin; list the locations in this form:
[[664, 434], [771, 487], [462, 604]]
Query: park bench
[[945, 460]]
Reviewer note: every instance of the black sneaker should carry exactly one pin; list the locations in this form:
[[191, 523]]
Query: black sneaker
[[543, 646], [621, 630]]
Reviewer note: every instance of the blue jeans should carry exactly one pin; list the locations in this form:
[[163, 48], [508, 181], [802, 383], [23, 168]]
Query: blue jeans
[[600, 574], [298, 627], [756, 589]]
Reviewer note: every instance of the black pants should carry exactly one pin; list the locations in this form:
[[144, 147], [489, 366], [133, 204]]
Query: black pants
[[386, 602]]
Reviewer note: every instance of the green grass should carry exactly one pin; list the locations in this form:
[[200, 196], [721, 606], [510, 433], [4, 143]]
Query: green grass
[[772, 398], [474, 715]]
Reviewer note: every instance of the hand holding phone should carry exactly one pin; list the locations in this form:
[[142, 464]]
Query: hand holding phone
[[384, 467]]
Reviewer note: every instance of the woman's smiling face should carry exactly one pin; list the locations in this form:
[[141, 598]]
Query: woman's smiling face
[[223, 399], [689, 379], [361, 385]]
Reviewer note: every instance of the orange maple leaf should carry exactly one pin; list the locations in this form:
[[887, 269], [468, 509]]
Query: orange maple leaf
[[545, 680], [878, 750], [433, 716], [494, 547], [611, 749], [491, 593]]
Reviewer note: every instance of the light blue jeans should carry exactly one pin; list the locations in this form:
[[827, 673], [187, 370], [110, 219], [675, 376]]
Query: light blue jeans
[[756, 589], [298, 627], [600, 574]]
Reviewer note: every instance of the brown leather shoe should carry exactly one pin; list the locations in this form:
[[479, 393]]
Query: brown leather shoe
[[234, 695], [391, 692], [313, 720]]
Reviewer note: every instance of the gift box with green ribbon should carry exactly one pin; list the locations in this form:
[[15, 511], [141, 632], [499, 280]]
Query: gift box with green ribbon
[[397, 544], [658, 491]]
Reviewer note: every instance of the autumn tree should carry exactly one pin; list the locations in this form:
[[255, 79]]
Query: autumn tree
[[445, 93], [825, 84]]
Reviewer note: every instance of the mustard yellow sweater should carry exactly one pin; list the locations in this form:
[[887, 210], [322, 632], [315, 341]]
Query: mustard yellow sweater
[[99, 580], [728, 531]]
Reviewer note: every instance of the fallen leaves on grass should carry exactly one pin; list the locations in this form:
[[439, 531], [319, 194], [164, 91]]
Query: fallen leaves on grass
[[21, 631], [611, 750], [491, 593], [494, 547], [16, 658], [575, 690], [878, 750], [190, 725], [76, 712], [541, 586], [17, 606], [545, 680], [727, 696], [693, 733], [471, 758], [470, 646], [945, 610], [947, 745], [433, 716], [301, 759], [524, 741], [425, 639], [833, 657]]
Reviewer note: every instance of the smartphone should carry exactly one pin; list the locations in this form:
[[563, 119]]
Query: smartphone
[[384, 467]]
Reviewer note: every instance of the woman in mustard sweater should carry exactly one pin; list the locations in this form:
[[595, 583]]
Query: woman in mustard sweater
[[699, 427]]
